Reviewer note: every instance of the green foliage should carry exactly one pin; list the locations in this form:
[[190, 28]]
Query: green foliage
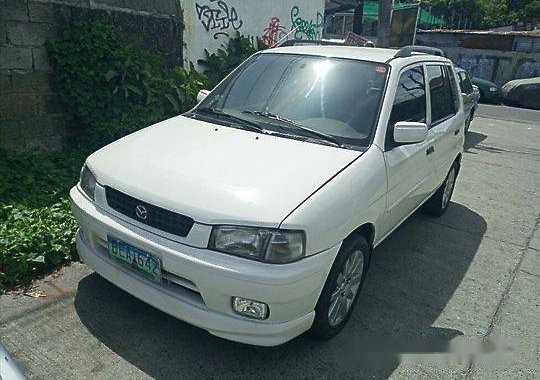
[[219, 64], [36, 226], [483, 14], [33, 240], [38, 179], [532, 10], [112, 86]]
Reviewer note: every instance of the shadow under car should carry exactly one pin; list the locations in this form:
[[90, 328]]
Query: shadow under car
[[413, 275]]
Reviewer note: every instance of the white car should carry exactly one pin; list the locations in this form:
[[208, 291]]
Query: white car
[[255, 214]]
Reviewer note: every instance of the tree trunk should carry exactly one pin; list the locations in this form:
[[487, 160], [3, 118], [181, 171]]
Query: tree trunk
[[385, 17], [358, 20]]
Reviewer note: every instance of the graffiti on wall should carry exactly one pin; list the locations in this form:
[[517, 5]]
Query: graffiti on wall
[[528, 69], [218, 17], [273, 32], [479, 67], [306, 29]]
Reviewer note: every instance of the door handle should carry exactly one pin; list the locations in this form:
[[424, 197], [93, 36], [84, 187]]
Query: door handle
[[456, 132], [430, 150]]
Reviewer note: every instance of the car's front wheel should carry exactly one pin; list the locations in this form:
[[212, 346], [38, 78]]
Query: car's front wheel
[[342, 287]]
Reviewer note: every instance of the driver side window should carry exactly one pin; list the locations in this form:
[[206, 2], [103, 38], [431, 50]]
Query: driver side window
[[410, 100]]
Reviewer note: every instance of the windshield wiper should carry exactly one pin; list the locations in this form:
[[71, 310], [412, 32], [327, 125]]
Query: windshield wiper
[[254, 127], [292, 123]]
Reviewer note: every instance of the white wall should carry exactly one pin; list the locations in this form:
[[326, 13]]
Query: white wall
[[208, 23]]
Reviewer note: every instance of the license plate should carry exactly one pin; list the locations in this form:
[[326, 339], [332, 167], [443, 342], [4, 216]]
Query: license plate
[[135, 259]]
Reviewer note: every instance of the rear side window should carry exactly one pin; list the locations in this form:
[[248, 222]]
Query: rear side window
[[465, 83], [442, 91], [410, 100], [456, 93]]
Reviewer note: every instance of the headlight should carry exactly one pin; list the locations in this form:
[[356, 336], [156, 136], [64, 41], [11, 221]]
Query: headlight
[[493, 89], [88, 182], [264, 244]]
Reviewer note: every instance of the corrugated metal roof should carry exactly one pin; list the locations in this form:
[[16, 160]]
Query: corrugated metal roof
[[371, 13]]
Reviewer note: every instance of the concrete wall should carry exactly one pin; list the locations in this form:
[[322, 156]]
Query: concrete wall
[[208, 23], [31, 116], [495, 57]]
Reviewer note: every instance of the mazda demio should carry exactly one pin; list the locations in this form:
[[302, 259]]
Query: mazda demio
[[254, 215]]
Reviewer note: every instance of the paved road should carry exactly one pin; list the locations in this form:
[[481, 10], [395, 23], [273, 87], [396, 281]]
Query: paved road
[[501, 112], [470, 275]]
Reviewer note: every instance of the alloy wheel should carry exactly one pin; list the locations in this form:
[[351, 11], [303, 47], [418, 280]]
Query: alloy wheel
[[449, 187], [347, 285]]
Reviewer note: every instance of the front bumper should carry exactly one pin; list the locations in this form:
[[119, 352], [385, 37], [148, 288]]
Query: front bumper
[[199, 284]]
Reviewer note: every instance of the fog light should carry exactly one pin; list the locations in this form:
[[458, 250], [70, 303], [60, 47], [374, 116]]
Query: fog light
[[250, 308]]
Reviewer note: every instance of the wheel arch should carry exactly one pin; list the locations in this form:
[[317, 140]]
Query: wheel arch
[[458, 161], [367, 230]]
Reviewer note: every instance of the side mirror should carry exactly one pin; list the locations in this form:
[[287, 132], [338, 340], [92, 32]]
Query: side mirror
[[201, 95], [406, 132]]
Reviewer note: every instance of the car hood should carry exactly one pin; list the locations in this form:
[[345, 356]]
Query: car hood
[[217, 174]]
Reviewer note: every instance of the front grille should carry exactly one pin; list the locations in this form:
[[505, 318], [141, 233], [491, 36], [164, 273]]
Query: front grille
[[156, 217]]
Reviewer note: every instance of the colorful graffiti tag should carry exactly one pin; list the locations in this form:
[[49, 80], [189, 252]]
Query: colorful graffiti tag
[[219, 18], [304, 29], [273, 32]]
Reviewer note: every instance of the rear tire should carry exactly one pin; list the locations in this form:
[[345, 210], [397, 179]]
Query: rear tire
[[468, 121], [438, 203], [342, 287]]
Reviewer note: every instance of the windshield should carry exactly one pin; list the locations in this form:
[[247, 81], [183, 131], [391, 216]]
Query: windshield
[[331, 98]]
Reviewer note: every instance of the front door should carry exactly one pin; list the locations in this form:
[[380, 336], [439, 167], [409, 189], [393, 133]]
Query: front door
[[409, 167]]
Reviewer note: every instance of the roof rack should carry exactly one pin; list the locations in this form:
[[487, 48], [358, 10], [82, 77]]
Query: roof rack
[[407, 51], [295, 42]]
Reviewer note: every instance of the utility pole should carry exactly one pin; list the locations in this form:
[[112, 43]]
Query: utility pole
[[385, 17], [358, 19]]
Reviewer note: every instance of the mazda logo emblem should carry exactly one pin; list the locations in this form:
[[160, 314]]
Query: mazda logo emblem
[[141, 212]]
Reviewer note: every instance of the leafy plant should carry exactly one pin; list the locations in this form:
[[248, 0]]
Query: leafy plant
[[112, 86], [219, 64], [34, 239], [36, 226]]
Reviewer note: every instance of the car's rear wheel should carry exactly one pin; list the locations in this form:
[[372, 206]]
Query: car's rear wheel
[[438, 203], [468, 121], [342, 287]]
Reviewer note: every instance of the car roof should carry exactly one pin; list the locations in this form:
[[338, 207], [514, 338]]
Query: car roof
[[358, 53]]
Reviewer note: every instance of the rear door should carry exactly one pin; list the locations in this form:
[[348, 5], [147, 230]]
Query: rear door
[[409, 167], [446, 123]]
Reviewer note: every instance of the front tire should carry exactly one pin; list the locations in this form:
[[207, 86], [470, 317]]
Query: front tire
[[342, 287], [438, 203]]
